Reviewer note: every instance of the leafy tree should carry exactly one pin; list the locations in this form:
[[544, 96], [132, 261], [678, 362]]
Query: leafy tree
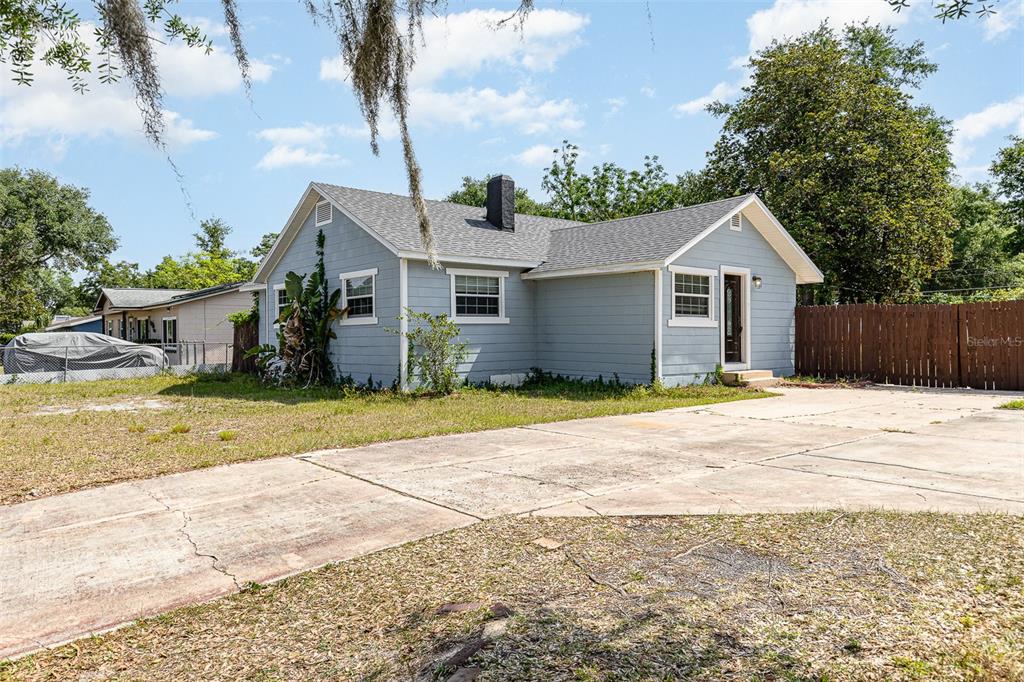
[[980, 238], [121, 274], [1008, 171], [211, 265], [263, 248], [46, 228], [610, 191], [828, 135], [474, 193]]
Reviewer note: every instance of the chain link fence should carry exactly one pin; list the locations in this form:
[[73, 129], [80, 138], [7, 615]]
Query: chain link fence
[[61, 364]]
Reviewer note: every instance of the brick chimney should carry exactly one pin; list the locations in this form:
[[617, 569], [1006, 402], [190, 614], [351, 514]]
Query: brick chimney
[[501, 202]]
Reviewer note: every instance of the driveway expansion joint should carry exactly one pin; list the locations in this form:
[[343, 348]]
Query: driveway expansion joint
[[397, 491]]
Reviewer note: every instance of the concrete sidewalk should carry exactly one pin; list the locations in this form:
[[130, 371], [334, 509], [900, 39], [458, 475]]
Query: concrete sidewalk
[[79, 563]]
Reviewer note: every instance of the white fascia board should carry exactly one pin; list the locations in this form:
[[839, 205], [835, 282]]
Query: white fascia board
[[644, 266], [284, 238], [253, 286]]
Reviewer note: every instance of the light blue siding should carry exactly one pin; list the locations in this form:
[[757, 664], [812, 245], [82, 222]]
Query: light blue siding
[[360, 351], [599, 325], [689, 353], [492, 348]]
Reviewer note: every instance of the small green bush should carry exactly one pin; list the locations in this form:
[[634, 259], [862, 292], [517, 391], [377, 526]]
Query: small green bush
[[181, 428], [227, 435], [434, 353]]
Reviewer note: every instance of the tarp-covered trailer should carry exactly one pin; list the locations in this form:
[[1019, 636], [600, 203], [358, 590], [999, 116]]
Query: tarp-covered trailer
[[75, 351]]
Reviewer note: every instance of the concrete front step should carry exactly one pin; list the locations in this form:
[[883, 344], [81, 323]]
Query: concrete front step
[[750, 377]]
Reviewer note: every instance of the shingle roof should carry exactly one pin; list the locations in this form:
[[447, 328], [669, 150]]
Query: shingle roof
[[638, 239], [459, 230], [147, 298], [139, 298]]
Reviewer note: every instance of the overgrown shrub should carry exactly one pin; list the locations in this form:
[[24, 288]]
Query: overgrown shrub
[[305, 330], [434, 353]]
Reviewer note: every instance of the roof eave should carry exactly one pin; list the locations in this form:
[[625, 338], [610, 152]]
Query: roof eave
[[612, 269]]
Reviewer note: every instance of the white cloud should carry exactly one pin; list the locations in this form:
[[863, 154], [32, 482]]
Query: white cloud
[[997, 117], [615, 105], [471, 107], [461, 45], [304, 145], [283, 155], [537, 156], [790, 18], [721, 91], [190, 72], [1004, 19], [648, 91]]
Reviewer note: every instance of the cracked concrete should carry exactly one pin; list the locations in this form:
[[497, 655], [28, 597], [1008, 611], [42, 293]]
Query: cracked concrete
[[80, 563]]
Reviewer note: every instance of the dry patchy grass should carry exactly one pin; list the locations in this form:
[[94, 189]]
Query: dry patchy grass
[[865, 596], [56, 438]]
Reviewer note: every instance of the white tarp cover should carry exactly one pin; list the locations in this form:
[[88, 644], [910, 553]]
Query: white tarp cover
[[46, 352]]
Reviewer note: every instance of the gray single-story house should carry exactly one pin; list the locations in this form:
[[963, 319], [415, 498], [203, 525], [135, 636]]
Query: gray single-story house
[[66, 323], [670, 294]]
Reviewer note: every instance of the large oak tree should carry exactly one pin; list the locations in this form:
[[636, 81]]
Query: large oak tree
[[828, 134]]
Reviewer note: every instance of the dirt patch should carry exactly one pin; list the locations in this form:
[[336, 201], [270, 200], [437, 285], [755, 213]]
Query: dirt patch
[[122, 406]]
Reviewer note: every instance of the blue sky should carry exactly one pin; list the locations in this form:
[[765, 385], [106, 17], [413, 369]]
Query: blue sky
[[483, 101]]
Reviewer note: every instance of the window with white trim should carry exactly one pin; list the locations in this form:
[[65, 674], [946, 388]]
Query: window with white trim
[[693, 297], [170, 330], [281, 300], [324, 213], [478, 295], [357, 294]]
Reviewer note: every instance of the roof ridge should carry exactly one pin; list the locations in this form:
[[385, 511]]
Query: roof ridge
[[445, 201], [644, 215]]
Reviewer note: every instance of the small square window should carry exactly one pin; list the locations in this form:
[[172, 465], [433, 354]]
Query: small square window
[[691, 297]]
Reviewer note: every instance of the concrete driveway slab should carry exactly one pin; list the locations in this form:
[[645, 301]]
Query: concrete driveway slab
[[82, 562]]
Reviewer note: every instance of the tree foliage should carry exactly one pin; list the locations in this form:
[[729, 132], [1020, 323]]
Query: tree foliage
[[211, 264], [829, 136], [47, 230], [474, 193], [1008, 172], [610, 191]]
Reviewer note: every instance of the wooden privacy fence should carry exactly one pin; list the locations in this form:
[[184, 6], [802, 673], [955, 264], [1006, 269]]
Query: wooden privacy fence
[[980, 345], [247, 335]]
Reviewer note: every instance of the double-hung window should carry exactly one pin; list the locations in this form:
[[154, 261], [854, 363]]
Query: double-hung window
[[358, 290], [281, 301], [692, 297], [478, 296], [170, 330]]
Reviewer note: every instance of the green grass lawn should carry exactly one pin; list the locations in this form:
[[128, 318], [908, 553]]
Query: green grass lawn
[[800, 597], [1013, 405], [61, 437]]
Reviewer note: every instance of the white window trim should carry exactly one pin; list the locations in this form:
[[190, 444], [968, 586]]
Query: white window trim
[[163, 334], [745, 300], [277, 310], [502, 275], [316, 213], [687, 321], [353, 321]]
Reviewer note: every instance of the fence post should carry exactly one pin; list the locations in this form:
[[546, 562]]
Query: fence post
[[65, 365]]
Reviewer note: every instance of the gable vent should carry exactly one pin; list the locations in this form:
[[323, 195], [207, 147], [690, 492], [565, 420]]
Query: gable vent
[[324, 213], [734, 222]]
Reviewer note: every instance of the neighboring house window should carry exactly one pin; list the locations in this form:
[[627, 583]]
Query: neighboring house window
[[142, 330], [478, 296], [110, 327], [170, 330], [692, 298], [281, 299], [324, 213], [357, 294]]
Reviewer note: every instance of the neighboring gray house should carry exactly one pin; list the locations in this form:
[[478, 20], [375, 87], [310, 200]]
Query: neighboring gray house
[[674, 293]]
